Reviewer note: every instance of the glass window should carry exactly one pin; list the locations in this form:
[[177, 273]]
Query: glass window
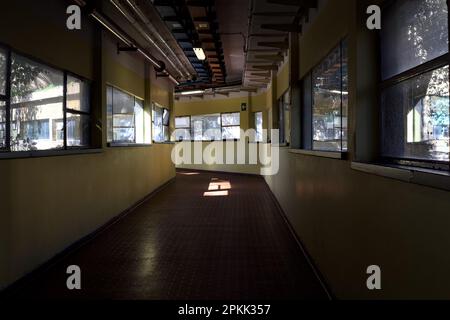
[[330, 102], [38, 109], [78, 107], [206, 127], [3, 57], [125, 117], [161, 121], [182, 128], [2, 124], [415, 117], [231, 129], [36, 101], [259, 127], [414, 32], [415, 109], [78, 95]]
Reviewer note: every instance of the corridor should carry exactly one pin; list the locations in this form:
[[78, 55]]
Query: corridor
[[205, 236]]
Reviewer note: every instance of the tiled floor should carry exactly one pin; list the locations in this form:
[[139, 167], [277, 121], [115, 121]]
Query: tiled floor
[[181, 244]]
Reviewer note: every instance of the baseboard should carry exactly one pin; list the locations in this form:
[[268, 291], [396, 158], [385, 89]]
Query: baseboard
[[9, 290], [302, 247]]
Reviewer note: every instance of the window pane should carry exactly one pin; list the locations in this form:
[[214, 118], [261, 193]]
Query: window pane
[[327, 103], [231, 119], [123, 135], [415, 117], [2, 124], [182, 134], [166, 133], [109, 113], [166, 117], [122, 102], [231, 133], [2, 71], [206, 127], [123, 120], [182, 122], [158, 133], [343, 121], [306, 119], [259, 126], [36, 101], [78, 94], [139, 120], [414, 32], [77, 130]]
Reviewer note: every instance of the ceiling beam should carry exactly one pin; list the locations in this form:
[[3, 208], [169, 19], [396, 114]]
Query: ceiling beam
[[283, 27], [295, 3], [277, 58], [275, 14], [280, 45], [266, 67]]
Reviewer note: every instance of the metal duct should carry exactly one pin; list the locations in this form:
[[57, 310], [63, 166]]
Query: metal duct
[[139, 28], [156, 34]]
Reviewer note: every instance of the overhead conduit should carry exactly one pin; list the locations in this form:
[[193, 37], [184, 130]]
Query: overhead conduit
[[147, 36], [154, 32], [126, 39]]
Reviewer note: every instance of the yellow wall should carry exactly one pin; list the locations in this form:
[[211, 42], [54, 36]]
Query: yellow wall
[[198, 106], [349, 220], [282, 80], [48, 203]]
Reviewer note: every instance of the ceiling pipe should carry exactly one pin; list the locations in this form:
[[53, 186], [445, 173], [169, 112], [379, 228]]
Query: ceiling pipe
[[156, 34], [129, 42], [139, 28], [249, 29]]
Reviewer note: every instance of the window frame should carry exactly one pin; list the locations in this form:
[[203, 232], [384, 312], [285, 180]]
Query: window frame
[[255, 114], [308, 146], [417, 71], [229, 126], [157, 105], [6, 151], [124, 143], [184, 128]]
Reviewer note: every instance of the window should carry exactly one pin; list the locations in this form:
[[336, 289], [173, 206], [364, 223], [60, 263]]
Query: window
[[231, 126], [284, 118], [182, 128], [3, 64], [161, 120], [78, 110], [415, 83], [38, 106], [206, 127], [259, 127], [125, 118], [325, 104]]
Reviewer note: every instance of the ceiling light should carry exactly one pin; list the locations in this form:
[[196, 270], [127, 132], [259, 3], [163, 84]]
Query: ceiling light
[[187, 93], [200, 54]]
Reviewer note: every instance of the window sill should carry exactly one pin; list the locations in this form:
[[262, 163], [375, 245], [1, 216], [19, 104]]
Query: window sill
[[321, 154], [128, 145], [166, 142], [425, 177], [47, 153]]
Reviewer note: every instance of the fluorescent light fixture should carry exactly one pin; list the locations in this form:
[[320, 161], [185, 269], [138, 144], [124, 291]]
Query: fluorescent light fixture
[[187, 93], [200, 54]]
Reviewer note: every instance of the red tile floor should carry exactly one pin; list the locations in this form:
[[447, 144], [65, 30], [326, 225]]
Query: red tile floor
[[205, 236]]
